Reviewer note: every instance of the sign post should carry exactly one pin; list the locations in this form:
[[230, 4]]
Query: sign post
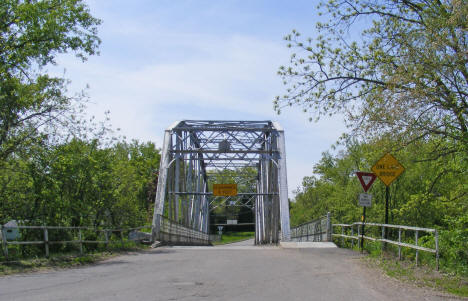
[[387, 169], [366, 179]]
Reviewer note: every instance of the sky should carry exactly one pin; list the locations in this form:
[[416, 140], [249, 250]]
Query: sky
[[163, 61]]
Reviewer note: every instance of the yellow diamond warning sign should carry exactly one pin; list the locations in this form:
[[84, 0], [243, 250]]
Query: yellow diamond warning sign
[[224, 189], [387, 169]]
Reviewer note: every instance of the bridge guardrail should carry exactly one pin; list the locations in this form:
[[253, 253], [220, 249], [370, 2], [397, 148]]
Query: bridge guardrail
[[382, 239], [46, 242], [173, 232], [319, 229]]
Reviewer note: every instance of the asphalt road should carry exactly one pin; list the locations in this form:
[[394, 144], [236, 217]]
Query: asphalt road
[[242, 272]]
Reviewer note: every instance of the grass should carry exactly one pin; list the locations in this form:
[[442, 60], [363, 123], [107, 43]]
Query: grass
[[64, 260], [230, 237], [421, 275]]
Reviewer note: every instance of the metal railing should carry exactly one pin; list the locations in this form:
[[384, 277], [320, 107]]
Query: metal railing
[[382, 239], [316, 230], [173, 232], [78, 238]]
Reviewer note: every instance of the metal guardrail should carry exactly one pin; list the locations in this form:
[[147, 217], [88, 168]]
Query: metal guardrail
[[318, 230], [382, 239], [173, 232], [46, 242]]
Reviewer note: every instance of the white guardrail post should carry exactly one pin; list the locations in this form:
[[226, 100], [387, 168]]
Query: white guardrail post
[[436, 237], [416, 243], [399, 243]]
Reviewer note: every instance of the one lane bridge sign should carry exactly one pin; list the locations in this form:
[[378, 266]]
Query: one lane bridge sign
[[224, 189], [387, 169]]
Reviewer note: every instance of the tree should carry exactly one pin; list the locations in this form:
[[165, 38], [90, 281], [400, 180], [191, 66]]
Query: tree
[[391, 66], [32, 34]]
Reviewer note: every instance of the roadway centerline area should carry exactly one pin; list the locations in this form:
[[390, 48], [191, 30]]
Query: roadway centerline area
[[216, 273]]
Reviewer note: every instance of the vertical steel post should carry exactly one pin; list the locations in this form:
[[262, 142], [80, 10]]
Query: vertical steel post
[[329, 227], [162, 184], [177, 177], [283, 185], [352, 239]]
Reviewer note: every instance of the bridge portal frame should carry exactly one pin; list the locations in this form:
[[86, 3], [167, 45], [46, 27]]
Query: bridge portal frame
[[195, 150]]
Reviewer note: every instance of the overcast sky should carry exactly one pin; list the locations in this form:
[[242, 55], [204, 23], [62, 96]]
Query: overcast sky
[[163, 61]]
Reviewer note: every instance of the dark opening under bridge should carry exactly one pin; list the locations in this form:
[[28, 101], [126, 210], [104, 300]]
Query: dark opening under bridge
[[198, 154]]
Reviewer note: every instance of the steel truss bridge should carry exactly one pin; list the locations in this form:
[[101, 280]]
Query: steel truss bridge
[[198, 154]]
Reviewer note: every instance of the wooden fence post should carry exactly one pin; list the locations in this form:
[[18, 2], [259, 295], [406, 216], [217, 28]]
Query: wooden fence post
[[4, 242], [342, 237], [81, 241], [106, 234], [46, 242]]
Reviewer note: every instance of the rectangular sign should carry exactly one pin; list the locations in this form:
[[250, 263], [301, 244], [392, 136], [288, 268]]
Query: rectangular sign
[[224, 189], [365, 200]]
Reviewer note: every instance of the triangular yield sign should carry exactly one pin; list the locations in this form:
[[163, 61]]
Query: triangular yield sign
[[366, 179]]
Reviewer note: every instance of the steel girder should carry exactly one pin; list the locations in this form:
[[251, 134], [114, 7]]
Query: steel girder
[[196, 153]]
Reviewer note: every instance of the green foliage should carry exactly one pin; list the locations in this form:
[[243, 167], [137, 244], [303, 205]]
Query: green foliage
[[454, 244], [32, 33], [79, 183], [394, 67]]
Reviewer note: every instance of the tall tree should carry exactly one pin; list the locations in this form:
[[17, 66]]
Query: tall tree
[[393, 66], [32, 34]]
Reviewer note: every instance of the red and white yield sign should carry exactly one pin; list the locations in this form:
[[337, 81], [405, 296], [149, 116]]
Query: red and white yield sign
[[366, 179]]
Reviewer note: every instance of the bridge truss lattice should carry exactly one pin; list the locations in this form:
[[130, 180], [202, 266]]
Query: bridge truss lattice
[[197, 154]]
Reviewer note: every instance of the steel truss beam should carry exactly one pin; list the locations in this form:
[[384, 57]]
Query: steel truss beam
[[197, 154]]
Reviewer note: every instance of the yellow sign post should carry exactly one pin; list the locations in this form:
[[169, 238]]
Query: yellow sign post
[[224, 189], [387, 169]]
